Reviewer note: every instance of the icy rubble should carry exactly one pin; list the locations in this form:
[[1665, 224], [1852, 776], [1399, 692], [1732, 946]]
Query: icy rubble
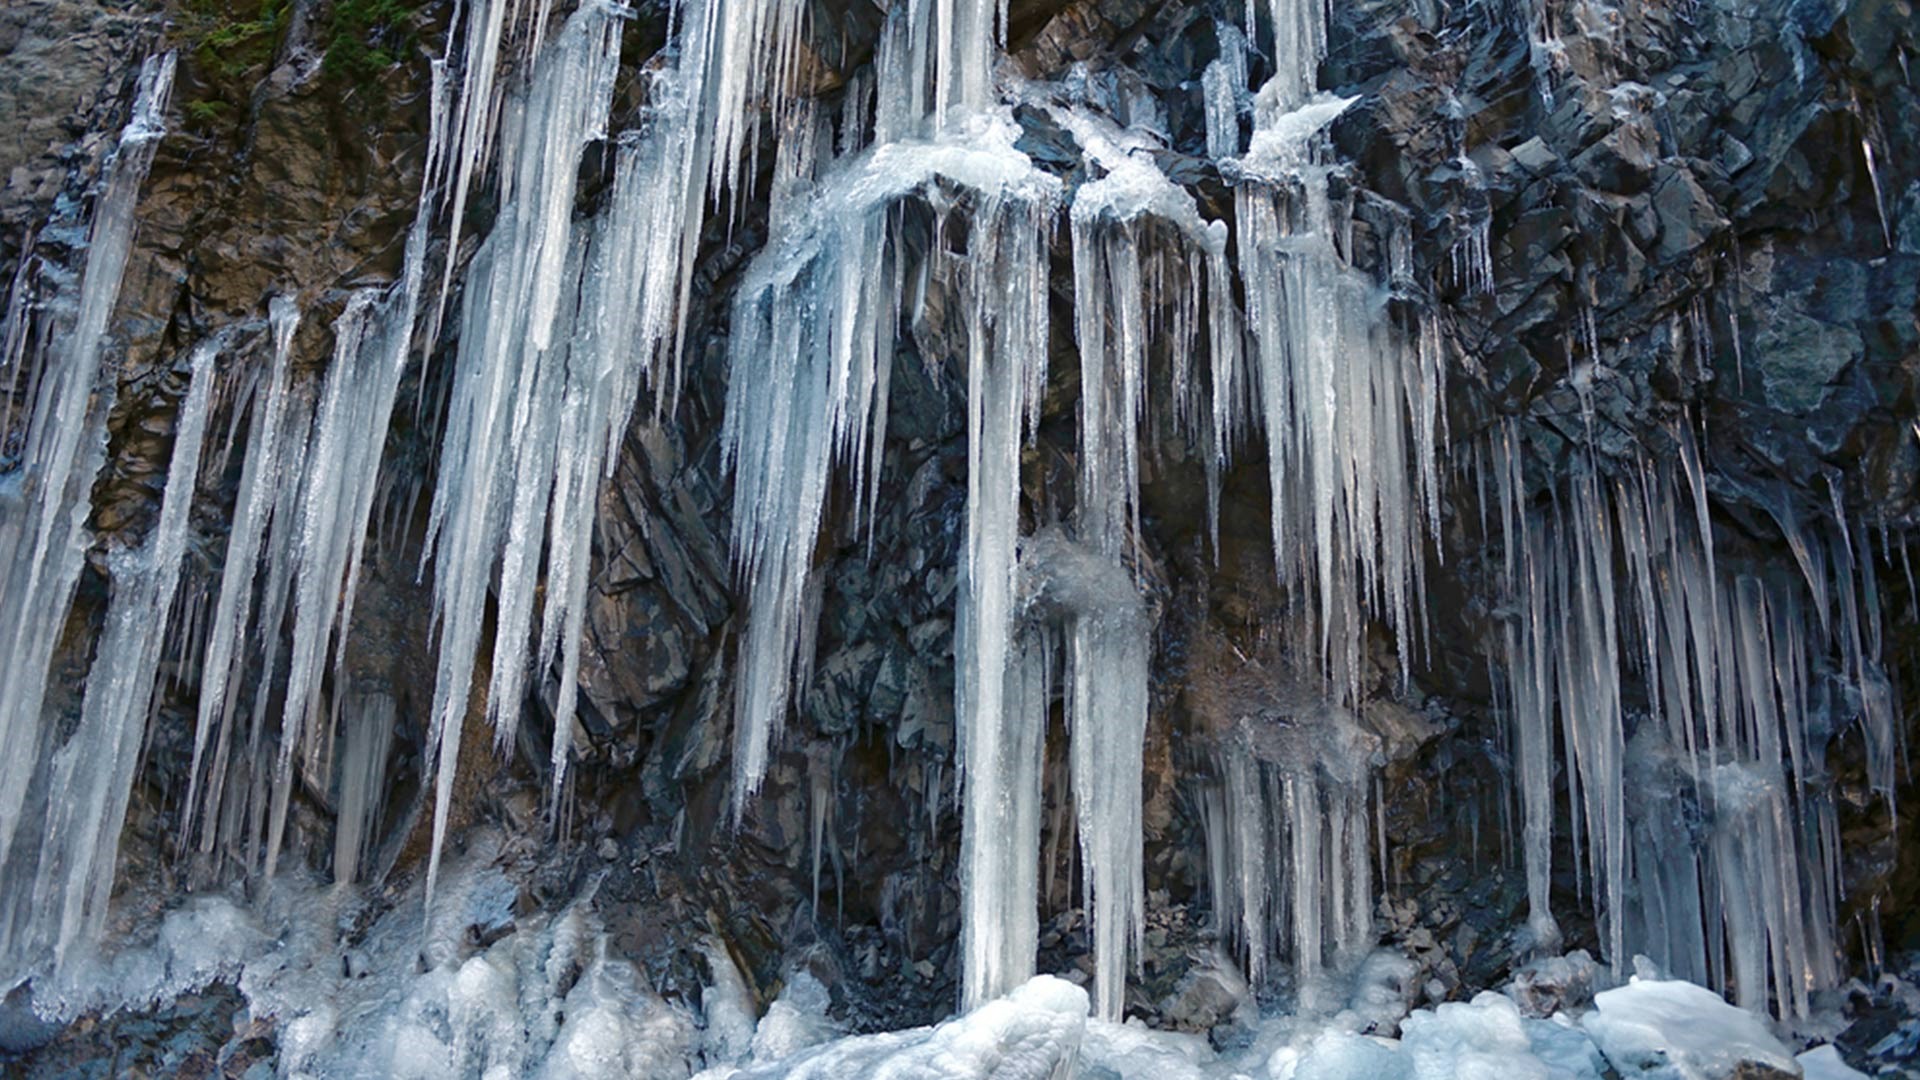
[[546, 998], [1487, 1038], [496, 991]]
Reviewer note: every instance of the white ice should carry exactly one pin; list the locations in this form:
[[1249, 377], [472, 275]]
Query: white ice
[[1674, 1030]]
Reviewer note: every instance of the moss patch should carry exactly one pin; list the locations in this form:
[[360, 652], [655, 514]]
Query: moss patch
[[366, 37]]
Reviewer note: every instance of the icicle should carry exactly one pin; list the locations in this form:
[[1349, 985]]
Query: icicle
[[43, 514], [1472, 253], [1250, 845], [1299, 842], [261, 495], [518, 375], [1224, 92], [89, 778], [1116, 255], [1351, 405], [1731, 854], [810, 355], [1873, 168], [1299, 44], [1531, 675], [362, 790], [320, 533], [1000, 831], [341, 461]]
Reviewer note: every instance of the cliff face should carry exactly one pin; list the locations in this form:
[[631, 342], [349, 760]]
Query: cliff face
[[1636, 235]]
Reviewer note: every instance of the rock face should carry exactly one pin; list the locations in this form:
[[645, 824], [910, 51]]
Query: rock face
[[1626, 221]]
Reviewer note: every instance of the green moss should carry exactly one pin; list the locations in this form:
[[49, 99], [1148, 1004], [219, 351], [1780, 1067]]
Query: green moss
[[207, 113], [366, 37], [231, 38]]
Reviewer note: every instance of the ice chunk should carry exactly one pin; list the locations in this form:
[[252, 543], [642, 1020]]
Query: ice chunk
[[796, 1020], [614, 1030], [1338, 1055], [1484, 1039], [1283, 132], [1674, 1030], [727, 1008], [1033, 1033], [1132, 1050], [1825, 1063]]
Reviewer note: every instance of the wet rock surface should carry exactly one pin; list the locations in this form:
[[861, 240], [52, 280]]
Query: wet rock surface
[[1696, 214]]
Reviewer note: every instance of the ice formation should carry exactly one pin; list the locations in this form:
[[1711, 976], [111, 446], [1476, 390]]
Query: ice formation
[[275, 456], [43, 541], [337, 488], [1723, 869], [1139, 238], [504, 493], [1351, 400], [1679, 1030], [1289, 842], [55, 890], [92, 770], [1725, 872]]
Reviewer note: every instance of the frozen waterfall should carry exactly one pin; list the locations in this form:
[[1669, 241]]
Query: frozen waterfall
[[1663, 697]]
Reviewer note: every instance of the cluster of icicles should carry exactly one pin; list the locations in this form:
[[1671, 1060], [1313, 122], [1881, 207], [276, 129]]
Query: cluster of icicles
[[914, 186]]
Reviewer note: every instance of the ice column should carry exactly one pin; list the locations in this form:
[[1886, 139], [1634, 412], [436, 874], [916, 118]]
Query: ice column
[[43, 511], [1351, 401], [1006, 371], [513, 430], [1133, 230], [1100, 613], [90, 776], [810, 356], [265, 492], [1721, 865]]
